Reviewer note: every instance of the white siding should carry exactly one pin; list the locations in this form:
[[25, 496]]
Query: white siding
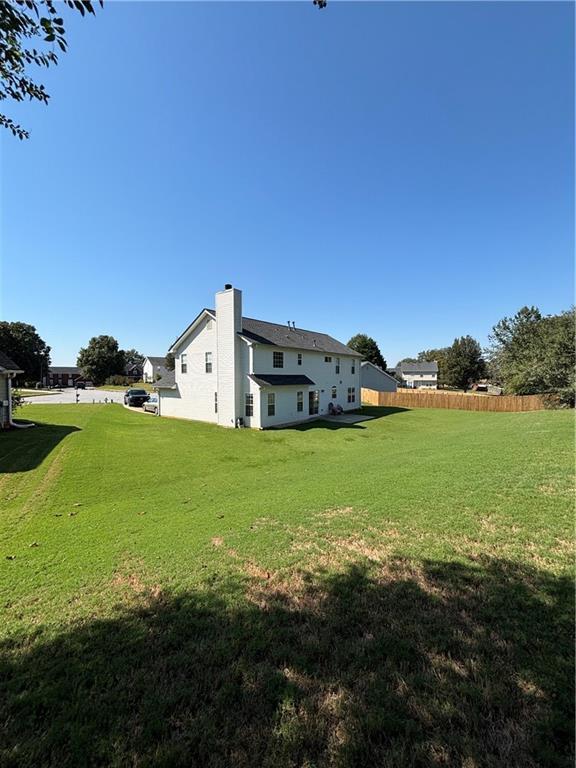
[[374, 378], [4, 397], [228, 325], [323, 375], [194, 396]]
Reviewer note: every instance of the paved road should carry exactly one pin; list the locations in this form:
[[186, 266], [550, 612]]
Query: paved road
[[68, 395]]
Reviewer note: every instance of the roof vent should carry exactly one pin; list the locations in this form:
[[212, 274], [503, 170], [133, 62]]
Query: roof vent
[[227, 286]]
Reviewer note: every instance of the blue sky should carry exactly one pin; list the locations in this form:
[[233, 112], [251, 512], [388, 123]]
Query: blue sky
[[400, 169]]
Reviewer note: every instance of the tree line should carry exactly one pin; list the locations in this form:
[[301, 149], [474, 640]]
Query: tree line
[[528, 354]]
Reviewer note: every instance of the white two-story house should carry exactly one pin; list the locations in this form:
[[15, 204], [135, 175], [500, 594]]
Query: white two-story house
[[233, 370], [422, 375]]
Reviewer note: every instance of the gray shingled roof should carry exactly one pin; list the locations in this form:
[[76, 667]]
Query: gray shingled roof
[[279, 335], [280, 379], [7, 364], [168, 380], [411, 368], [157, 361]]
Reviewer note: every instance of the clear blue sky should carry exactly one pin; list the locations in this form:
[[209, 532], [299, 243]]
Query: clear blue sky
[[400, 169]]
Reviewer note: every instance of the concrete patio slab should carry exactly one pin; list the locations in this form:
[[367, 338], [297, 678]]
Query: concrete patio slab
[[347, 418]]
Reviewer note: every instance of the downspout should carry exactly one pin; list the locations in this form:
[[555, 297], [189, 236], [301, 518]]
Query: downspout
[[10, 422]]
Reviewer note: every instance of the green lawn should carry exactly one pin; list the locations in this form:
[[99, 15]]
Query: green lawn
[[396, 593]]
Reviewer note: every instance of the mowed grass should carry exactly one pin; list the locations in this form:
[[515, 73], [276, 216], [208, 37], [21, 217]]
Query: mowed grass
[[395, 593]]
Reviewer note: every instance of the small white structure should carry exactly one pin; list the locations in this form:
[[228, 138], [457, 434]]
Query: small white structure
[[419, 375], [8, 369], [233, 370], [374, 377]]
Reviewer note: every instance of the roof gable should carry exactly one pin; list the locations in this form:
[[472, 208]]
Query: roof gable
[[7, 365]]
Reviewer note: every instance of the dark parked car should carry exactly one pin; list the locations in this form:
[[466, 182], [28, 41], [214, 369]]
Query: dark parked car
[[135, 397], [80, 384], [151, 404]]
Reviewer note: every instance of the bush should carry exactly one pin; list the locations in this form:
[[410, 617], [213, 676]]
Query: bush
[[119, 381]]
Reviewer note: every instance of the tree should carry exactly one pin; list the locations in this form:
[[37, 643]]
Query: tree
[[22, 343], [100, 359], [368, 348], [22, 21], [133, 357], [464, 363], [532, 354], [169, 361]]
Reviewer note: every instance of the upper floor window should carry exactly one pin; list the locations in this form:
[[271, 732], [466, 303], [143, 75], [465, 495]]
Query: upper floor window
[[184, 363], [353, 367], [208, 362], [333, 393], [328, 359], [249, 404], [299, 358], [278, 360], [271, 404], [337, 365], [299, 401]]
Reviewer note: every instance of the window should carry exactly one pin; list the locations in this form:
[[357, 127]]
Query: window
[[353, 367], [215, 402], [249, 404], [271, 404], [337, 365], [299, 358], [184, 363], [328, 359], [278, 360], [208, 362], [333, 393], [351, 394], [299, 401]]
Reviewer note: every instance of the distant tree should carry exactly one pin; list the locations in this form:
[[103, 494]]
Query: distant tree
[[100, 359], [169, 361], [531, 354], [133, 357], [368, 348], [464, 364], [38, 22], [22, 343], [438, 356], [407, 360]]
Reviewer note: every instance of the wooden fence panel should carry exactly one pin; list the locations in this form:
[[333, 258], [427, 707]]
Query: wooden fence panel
[[500, 403]]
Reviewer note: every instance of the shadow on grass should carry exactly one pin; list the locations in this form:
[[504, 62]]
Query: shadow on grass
[[24, 449], [404, 665]]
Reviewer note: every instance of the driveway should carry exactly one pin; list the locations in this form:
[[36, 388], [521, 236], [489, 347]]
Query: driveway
[[68, 395]]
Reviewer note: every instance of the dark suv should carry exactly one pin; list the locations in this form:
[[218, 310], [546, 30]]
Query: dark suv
[[135, 397]]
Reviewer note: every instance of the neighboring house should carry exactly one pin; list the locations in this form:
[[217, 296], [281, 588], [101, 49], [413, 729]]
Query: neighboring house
[[8, 370], [133, 372], [232, 369], [418, 375], [373, 377], [62, 376], [154, 369]]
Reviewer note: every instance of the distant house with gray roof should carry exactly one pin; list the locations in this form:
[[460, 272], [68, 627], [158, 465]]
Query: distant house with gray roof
[[419, 375], [154, 369]]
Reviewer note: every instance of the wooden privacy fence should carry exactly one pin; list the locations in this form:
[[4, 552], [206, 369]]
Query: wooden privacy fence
[[502, 403]]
